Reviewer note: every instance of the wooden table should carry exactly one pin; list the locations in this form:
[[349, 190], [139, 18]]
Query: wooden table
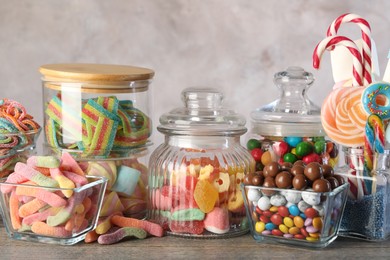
[[243, 247]]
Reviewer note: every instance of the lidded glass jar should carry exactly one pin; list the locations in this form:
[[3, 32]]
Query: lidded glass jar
[[96, 110], [99, 114], [289, 129], [195, 175]]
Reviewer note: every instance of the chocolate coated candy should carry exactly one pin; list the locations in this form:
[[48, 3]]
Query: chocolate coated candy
[[321, 185], [271, 169], [299, 182], [297, 169], [327, 170], [283, 180], [313, 171]]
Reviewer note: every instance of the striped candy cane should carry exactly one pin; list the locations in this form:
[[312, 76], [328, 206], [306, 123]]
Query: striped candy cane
[[332, 41], [366, 36]]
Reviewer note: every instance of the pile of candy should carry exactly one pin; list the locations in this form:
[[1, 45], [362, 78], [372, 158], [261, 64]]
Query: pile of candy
[[18, 134], [106, 125], [201, 198], [291, 214], [291, 149], [49, 199]]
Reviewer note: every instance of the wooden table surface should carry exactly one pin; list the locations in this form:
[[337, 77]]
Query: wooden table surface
[[243, 247]]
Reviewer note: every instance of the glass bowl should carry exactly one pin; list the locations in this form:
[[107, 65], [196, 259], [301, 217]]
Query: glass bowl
[[16, 147], [300, 218], [45, 214]]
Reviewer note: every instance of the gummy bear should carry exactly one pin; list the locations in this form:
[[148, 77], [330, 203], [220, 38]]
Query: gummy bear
[[205, 195]]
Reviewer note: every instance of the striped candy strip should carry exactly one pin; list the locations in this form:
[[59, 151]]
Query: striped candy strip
[[103, 138]]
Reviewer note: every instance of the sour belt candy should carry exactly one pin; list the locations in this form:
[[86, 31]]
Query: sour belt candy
[[104, 125]]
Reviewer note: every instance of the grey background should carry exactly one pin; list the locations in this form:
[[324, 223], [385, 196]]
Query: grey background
[[236, 46]]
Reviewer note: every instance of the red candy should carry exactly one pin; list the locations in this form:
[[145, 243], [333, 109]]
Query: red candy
[[283, 211], [256, 154], [276, 219], [193, 227], [281, 148], [264, 219], [277, 232], [311, 213]]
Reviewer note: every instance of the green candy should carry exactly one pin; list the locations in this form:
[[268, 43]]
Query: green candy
[[252, 144], [303, 148], [319, 147], [290, 157]]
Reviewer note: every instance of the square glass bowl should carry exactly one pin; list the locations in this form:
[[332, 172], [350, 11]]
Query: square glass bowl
[[51, 215], [299, 218], [16, 147]]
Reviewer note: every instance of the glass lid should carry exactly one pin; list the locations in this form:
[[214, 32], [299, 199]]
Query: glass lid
[[293, 113], [202, 114]]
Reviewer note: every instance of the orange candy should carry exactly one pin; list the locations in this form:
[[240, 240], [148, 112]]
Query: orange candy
[[205, 195]]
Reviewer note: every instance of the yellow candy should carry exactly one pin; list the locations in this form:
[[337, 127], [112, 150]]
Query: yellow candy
[[311, 239], [273, 209], [259, 226], [205, 195], [283, 228], [267, 157], [288, 222], [298, 222]]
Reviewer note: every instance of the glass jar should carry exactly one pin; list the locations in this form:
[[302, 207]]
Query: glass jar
[[195, 175], [368, 202], [96, 110], [289, 129]]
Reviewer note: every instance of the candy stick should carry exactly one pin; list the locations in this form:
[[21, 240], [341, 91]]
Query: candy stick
[[34, 175], [152, 228], [332, 41], [120, 234], [374, 141], [49, 197], [42, 228], [366, 36], [64, 182], [14, 211], [31, 207]]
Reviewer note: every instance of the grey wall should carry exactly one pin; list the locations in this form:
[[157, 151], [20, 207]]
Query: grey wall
[[234, 45]]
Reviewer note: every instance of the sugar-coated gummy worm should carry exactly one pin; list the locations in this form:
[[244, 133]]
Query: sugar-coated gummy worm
[[120, 234], [104, 225], [49, 197], [34, 175], [41, 228], [14, 211], [91, 237], [40, 216], [43, 161], [31, 207], [63, 182], [13, 178], [152, 228]]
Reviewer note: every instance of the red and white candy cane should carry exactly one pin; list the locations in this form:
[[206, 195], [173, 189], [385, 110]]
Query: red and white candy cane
[[366, 36], [328, 43]]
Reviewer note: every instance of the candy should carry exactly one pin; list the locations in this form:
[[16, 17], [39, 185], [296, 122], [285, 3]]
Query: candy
[[217, 221], [127, 180], [31, 207], [152, 228], [106, 169], [375, 99], [366, 36], [205, 195], [63, 182], [35, 176], [50, 198], [332, 41], [120, 234], [188, 214], [111, 204], [191, 227], [43, 161], [374, 140], [41, 228]]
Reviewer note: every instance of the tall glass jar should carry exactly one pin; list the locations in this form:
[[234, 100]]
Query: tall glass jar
[[367, 210], [289, 129], [195, 175], [100, 114]]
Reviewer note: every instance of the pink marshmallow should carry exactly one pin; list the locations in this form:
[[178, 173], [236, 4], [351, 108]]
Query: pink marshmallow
[[217, 221]]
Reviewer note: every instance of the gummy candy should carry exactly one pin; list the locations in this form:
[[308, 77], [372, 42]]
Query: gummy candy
[[193, 227], [206, 195]]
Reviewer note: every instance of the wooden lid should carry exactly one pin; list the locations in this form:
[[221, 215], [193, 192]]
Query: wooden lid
[[83, 72]]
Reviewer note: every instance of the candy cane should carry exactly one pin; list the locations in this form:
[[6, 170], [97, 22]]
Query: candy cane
[[332, 41], [366, 36]]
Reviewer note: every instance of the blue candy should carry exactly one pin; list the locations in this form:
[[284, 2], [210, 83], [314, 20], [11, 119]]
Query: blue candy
[[294, 210], [293, 140], [269, 226]]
